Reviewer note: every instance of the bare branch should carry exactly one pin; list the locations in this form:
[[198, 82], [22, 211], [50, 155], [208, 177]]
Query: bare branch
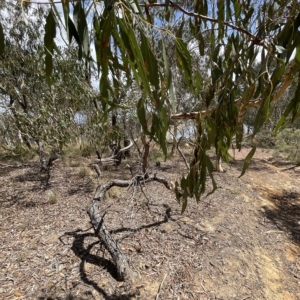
[[114, 158], [182, 155]]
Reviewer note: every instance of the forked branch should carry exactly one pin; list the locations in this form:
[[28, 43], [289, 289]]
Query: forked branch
[[115, 157], [96, 215]]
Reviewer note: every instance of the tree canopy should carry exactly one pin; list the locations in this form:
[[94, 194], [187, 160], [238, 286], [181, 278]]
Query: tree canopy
[[227, 56]]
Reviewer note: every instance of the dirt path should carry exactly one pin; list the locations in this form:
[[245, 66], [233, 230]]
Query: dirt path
[[276, 194], [242, 242]]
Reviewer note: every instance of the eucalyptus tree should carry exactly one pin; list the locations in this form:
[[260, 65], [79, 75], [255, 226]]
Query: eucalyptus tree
[[35, 112], [239, 33]]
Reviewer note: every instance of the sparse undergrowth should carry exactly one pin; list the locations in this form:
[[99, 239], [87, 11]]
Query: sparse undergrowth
[[246, 248]]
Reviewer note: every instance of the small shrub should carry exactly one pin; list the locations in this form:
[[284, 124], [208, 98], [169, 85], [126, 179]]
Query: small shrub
[[265, 139], [74, 164], [82, 172], [21, 257], [87, 151], [288, 145], [53, 199]]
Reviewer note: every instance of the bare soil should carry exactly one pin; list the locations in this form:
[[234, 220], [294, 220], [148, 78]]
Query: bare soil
[[242, 242]]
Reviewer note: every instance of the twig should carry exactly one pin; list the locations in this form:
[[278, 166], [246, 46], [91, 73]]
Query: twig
[[98, 171], [159, 289], [182, 155]]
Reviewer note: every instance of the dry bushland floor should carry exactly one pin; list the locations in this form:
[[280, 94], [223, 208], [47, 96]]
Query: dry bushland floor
[[242, 242]]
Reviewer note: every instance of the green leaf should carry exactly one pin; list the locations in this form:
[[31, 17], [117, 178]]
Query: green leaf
[[1, 40], [150, 62], [180, 29], [262, 115], [97, 38], [297, 56], [211, 128], [137, 62], [50, 33], [66, 9], [278, 73], [81, 26], [237, 8], [210, 169], [248, 160], [184, 205], [201, 43], [221, 17], [293, 106], [73, 32], [248, 16], [167, 2], [184, 61], [287, 111], [142, 114], [167, 69], [228, 10], [56, 11]]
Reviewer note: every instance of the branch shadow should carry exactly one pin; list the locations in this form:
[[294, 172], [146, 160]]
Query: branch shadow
[[256, 164], [34, 174], [134, 230], [86, 257], [85, 187], [286, 214]]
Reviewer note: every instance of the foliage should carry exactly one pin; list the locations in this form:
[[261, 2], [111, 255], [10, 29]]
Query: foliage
[[265, 139], [288, 144], [132, 43], [33, 111]]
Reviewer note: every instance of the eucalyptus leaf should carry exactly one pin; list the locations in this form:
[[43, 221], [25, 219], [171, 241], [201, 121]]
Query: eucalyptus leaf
[[1, 40]]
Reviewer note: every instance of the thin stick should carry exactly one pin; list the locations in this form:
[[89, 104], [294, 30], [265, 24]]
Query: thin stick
[[159, 289]]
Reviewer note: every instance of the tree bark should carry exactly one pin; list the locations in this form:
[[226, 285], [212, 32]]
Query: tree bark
[[174, 143], [126, 143], [219, 164], [145, 155], [124, 271], [42, 156]]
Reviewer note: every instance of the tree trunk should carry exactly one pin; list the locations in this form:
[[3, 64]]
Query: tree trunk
[[126, 140], [42, 156], [219, 164], [174, 143], [126, 143], [145, 155]]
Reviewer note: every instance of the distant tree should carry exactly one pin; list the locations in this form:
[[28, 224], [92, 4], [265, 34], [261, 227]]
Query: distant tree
[[33, 112]]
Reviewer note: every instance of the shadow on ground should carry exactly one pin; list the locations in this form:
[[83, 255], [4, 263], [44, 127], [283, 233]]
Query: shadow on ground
[[86, 257], [286, 214]]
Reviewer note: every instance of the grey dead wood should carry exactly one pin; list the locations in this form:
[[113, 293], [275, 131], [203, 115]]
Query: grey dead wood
[[96, 215]]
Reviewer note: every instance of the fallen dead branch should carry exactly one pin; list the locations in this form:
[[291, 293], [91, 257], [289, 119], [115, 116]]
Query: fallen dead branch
[[115, 158], [96, 215]]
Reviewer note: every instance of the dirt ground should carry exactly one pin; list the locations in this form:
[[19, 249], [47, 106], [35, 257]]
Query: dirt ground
[[242, 242]]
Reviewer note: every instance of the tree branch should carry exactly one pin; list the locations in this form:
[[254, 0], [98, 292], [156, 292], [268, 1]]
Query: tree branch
[[254, 38], [97, 220], [115, 157], [252, 103]]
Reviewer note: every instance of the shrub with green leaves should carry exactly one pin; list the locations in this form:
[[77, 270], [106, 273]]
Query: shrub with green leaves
[[288, 145]]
